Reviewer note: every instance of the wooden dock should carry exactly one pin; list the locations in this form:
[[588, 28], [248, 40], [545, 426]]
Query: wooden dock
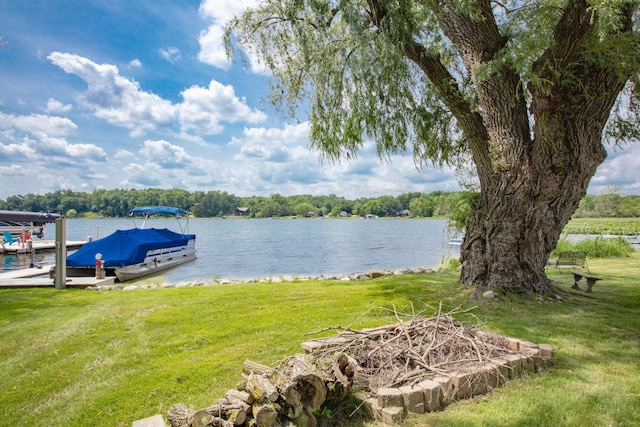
[[38, 277], [35, 245]]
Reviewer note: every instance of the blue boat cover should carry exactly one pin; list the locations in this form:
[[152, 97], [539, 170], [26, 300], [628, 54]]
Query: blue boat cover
[[126, 247]]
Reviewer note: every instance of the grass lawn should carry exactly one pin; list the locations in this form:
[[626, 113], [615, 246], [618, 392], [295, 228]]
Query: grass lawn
[[598, 226], [81, 358]]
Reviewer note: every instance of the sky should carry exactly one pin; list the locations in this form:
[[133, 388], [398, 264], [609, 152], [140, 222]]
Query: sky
[[140, 94]]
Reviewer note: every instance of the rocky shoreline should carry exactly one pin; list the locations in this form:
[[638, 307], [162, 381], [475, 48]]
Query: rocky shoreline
[[268, 279]]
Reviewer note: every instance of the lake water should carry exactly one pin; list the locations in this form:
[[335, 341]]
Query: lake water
[[256, 248]]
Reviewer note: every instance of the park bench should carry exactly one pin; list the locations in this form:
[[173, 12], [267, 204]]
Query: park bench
[[591, 280], [570, 258]]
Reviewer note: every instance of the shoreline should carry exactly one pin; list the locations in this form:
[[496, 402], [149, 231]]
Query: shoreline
[[285, 278]]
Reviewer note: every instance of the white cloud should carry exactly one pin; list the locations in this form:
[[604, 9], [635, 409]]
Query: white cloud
[[55, 106], [135, 63], [38, 143], [160, 163], [204, 108], [165, 154], [16, 152], [220, 12], [121, 101], [115, 98], [620, 169], [280, 161], [171, 54], [261, 144], [38, 124], [123, 154], [212, 50]]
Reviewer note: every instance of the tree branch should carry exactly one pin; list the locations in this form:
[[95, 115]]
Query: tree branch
[[470, 121], [475, 34], [570, 34]]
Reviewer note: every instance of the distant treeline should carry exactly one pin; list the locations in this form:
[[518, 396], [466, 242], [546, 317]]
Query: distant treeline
[[118, 203]]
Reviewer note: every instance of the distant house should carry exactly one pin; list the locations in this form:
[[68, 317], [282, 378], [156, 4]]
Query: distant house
[[242, 211], [405, 212], [312, 214], [344, 214]]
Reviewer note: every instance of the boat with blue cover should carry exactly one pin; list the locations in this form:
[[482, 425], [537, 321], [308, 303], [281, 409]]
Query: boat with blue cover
[[136, 252]]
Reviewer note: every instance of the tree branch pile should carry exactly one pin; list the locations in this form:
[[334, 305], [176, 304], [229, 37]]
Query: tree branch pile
[[416, 349]]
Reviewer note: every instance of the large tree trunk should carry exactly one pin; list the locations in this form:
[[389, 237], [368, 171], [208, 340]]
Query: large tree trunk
[[512, 233], [532, 173], [530, 197]]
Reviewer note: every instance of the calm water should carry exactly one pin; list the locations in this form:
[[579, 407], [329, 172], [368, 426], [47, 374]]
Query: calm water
[[253, 248]]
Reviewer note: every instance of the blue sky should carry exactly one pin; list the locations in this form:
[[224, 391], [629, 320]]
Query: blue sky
[[122, 94]]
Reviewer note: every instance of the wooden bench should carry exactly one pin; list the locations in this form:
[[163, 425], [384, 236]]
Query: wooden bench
[[570, 258], [591, 280]]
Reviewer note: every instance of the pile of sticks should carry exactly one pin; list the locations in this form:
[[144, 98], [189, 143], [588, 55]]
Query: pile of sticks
[[415, 348]]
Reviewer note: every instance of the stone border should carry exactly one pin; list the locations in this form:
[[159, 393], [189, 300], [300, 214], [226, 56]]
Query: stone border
[[390, 405]]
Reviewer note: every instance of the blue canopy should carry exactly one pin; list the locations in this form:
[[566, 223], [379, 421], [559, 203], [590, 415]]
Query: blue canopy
[[126, 247], [152, 210]]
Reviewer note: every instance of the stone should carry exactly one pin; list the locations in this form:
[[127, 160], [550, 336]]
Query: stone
[[514, 362], [447, 392], [432, 394], [489, 295], [477, 382], [531, 359], [513, 343], [389, 397], [311, 346], [491, 376], [372, 405], [523, 345], [413, 397], [461, 384], [502, 370], [546, 351], [155, 421], [392, 415]]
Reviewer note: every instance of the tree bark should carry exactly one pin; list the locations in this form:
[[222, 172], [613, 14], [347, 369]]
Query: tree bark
[[300, 383], [251, 367], [265, 415], [539, 169], [179, 415], [339, 380]]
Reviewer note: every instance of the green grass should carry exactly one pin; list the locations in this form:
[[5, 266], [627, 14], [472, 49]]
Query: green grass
[[599, 226], [79, 358], [598, 247]]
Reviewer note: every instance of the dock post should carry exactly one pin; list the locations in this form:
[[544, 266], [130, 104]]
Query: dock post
[[60, 280], [31, 249]]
